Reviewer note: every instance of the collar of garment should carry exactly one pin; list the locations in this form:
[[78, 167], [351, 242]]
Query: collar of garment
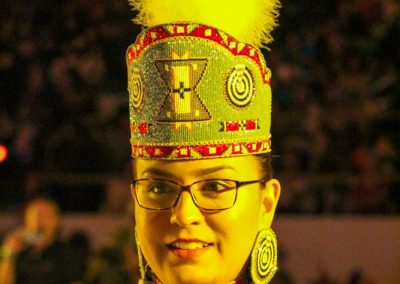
[[243, 280]]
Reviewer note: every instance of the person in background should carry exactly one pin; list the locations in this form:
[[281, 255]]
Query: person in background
[[34, 253]]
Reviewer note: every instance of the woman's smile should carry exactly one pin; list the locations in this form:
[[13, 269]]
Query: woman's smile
[[188, 248]]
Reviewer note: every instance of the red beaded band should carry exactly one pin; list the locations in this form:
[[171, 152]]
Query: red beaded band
[[157, 33], [201, 151]]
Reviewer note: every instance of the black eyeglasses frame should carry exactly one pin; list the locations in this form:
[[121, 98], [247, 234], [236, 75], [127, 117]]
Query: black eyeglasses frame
[[188, 188]]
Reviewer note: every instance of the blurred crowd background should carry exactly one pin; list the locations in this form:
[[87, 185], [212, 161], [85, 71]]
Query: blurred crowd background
[[64, 129]]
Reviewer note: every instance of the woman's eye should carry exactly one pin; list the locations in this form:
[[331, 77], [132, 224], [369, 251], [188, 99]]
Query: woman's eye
[[158, 188], [215, 186]]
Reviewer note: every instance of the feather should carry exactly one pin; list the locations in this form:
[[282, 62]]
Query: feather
[[249, 21]]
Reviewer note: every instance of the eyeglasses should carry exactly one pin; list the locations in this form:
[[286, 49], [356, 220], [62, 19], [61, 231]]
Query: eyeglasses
[[214, 194]]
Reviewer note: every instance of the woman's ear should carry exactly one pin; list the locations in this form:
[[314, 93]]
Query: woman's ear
[[270, 196]]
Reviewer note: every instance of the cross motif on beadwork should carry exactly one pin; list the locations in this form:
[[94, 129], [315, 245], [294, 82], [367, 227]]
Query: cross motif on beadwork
[[181, 104], [181, 90]]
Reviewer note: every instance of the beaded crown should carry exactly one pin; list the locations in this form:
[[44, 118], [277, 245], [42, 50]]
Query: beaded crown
[[196, 92]]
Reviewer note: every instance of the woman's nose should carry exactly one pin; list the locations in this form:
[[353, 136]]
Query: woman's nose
[[186, 213]]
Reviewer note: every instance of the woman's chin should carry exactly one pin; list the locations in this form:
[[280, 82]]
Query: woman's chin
[[189, 280], [190, 275]]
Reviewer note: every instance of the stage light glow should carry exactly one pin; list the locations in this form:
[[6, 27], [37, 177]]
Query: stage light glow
[[3, 153]]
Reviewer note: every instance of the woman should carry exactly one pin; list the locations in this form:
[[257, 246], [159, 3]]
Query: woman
[[200, 112]]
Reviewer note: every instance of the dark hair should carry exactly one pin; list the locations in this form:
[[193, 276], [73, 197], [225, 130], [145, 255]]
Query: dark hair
[[265, 161]]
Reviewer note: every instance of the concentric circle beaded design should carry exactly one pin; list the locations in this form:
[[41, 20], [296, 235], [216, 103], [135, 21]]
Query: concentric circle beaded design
[[135, 87], [240, 86], [264, 257]]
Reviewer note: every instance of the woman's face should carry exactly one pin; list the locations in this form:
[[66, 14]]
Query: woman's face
[[213, 246]]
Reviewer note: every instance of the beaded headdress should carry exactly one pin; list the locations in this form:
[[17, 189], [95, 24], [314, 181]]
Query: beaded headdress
[[198, 84]]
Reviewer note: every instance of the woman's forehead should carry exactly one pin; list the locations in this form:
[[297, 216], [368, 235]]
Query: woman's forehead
[[234, 165]]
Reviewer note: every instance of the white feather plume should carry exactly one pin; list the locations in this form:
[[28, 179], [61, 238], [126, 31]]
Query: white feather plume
[[249, 21]]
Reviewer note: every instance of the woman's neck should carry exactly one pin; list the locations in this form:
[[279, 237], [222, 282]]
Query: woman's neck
[[242, 280]]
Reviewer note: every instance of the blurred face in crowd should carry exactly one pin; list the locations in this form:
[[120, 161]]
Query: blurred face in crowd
[[186, 244], [42, 217]]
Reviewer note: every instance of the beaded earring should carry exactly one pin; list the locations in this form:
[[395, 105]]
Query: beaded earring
[[264, 257]]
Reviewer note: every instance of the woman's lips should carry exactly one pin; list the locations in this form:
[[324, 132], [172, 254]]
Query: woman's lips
[[185, 248]]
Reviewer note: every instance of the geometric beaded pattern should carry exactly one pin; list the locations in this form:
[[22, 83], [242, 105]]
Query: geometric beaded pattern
[[195, 92]]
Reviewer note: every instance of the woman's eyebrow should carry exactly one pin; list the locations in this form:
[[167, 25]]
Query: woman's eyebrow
[[158, 173], [212, 170]]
